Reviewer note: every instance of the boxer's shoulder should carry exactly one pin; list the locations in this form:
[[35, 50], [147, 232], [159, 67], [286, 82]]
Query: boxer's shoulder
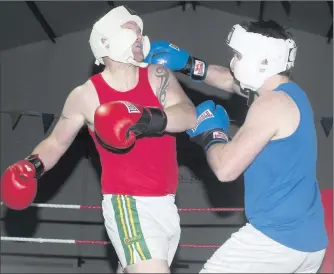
[[158, 75], [277, 110], [85, 92], [157, 71], [266, 109], [271, 101], [282, 101], [154, 67], [82, 89], [83, 98], [87, 87]]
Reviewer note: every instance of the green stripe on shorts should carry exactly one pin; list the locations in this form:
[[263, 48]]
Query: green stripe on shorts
[[122, 227], [138, 236]]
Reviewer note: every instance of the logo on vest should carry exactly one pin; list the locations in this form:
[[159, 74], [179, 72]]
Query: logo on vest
[[205, 115]]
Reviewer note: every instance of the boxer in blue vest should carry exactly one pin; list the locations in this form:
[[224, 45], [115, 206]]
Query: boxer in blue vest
[[275, 149]]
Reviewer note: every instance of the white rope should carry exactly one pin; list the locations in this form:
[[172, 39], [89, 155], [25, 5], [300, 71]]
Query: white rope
[[64, 206], [37, 240], [53, 206], [61, 241], [56, 206]]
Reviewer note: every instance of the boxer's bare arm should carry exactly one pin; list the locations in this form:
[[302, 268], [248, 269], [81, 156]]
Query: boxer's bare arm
[[181, 112], [221, 77], [51, 149], [229, 161]]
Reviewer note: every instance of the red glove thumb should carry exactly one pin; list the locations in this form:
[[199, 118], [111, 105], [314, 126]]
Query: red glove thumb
[[113, 122]]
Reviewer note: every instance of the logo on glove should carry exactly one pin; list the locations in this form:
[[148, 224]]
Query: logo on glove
[[199, 68], [131, 108], [219, 135], [205, 115], [174, 47]]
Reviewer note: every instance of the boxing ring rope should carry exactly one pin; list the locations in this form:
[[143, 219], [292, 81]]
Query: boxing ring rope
[[69, 206], [85, 242], [92, 242]]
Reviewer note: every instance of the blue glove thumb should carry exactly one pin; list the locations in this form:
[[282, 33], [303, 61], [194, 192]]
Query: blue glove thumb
[[168, 55], [223, 115], [211, 126], [206, 105]]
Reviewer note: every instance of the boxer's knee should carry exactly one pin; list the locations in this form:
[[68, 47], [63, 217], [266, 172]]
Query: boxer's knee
[[148, 266]]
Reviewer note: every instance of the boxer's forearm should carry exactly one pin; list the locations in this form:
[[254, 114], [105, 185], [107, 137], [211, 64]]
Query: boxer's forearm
[[180, 117], [220, 164], [49, 152], [220, 77]]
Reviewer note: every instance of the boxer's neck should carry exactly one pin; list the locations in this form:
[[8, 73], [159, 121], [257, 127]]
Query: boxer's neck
[[272, 83], [120, 76]]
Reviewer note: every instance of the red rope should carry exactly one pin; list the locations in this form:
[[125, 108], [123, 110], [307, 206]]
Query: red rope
[[180, 245], [199, 246], [85, 242], [225, 209], [216, 209], [69, 206], [90, 207]]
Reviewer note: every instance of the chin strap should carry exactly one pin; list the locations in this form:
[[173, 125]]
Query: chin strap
[[137, 64], [251, 95]]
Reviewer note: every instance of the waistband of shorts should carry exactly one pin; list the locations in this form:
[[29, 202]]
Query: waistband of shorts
[[168, 196]]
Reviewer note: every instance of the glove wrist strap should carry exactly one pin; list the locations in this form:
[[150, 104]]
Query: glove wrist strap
[[209, 138], [158, 122], [152, 122], [188, 67], [195, 68], [38, 164]]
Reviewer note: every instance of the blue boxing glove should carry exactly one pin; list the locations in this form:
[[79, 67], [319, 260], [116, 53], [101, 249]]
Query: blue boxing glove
[[176, 59], [211, 127]]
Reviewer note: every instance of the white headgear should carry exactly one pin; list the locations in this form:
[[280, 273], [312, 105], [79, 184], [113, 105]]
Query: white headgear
[[261, 57], [109, 39]]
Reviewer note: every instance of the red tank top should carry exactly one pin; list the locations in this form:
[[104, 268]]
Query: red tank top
[[150, 168]]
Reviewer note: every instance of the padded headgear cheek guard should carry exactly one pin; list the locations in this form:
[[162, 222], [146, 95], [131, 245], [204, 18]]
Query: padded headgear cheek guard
[[260, 57], [109, 39]]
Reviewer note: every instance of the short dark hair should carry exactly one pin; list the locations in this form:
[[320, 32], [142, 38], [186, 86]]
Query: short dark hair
[[272, 29]]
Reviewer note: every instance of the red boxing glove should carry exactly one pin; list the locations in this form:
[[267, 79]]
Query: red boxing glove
[[117, 124], [19, 182]]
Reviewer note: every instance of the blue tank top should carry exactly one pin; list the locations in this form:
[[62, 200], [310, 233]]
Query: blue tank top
[[282, 196]]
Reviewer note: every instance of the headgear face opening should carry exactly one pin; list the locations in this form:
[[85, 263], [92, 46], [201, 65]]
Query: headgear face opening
[[109, 39], [260, 57]]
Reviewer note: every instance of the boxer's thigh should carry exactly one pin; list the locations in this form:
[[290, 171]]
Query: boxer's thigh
[[250, 251], [160, 224], [134, 228], [117, 228]]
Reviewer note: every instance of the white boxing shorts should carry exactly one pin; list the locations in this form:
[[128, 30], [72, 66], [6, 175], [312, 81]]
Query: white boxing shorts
[[250, 251], [142, 228]]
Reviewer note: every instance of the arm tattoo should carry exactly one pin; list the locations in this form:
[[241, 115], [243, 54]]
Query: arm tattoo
[[163, 74]]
